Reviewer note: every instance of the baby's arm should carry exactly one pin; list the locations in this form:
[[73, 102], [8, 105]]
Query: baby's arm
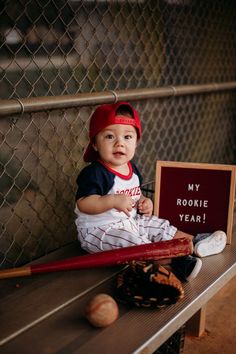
[[96, 204]]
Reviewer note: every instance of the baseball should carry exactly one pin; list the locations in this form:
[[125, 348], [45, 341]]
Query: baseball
[[102, 310]]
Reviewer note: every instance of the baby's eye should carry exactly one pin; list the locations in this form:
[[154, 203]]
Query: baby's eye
[[128, 136], [109, 136]]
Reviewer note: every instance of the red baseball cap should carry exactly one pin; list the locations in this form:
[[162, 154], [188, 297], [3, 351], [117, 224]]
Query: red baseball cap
[[104, 116]]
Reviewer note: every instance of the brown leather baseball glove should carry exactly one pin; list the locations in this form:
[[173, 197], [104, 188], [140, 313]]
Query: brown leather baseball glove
[[147, 284]]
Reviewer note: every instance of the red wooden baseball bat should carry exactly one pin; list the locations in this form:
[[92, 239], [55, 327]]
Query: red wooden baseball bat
[[151, 251]]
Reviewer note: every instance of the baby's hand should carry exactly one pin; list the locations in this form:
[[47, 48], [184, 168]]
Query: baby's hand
[[123, 203], [145, 206]]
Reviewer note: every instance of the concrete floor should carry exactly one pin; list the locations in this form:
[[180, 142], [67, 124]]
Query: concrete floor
[[220, 334]]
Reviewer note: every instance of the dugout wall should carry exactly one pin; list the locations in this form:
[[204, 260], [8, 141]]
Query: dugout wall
[[175, 60]]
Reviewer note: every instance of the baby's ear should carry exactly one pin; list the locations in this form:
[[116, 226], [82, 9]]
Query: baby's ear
[[95, 147]]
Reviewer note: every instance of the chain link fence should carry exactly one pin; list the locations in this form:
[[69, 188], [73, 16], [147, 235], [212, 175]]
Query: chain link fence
[[54, 47], [51, 48]]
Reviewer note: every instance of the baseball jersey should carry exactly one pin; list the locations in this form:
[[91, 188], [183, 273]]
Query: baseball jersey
[[99, 179]]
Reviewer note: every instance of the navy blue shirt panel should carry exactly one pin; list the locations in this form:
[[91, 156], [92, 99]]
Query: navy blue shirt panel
[[96, 179]]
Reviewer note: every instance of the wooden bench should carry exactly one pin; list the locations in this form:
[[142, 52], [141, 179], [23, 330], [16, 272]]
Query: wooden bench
[[45, 313]]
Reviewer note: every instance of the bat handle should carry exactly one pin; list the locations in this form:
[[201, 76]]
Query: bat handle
[[15, 272]]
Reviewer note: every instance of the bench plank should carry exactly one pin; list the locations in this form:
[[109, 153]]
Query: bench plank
[[24, 301]]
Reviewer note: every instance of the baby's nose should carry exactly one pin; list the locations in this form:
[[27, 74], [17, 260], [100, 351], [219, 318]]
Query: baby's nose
[[119, 141]]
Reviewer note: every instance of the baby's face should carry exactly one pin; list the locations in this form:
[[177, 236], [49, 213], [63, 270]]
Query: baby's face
[[116, 144]]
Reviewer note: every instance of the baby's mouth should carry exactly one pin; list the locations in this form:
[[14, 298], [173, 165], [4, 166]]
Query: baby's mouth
[[119, 153]]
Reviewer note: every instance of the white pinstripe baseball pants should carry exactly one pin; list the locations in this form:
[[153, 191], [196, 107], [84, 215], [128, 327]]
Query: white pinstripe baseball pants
[[125, 233]]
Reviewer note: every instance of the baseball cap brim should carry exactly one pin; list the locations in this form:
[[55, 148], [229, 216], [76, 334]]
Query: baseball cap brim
[[90, 154]]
